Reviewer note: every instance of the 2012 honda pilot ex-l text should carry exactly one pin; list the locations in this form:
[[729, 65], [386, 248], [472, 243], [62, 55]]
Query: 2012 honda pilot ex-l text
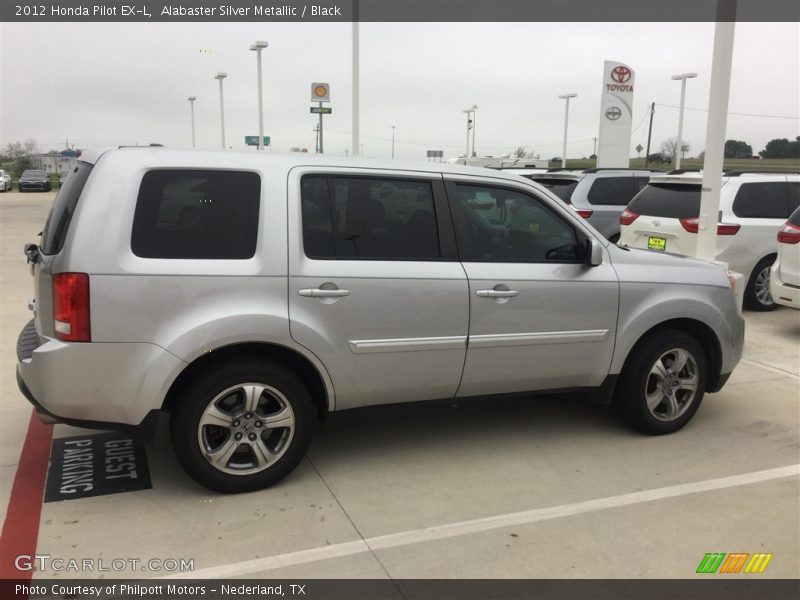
[[247, 295]]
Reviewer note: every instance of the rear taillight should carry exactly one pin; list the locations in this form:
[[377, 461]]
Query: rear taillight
[[584, 213], [627, 217], [71, 307], [789, 234], [692, 225], [727, 229]]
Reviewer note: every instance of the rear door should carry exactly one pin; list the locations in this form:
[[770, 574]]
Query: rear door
[[375, 288], [657, 212], [607, 197], [540, 317]]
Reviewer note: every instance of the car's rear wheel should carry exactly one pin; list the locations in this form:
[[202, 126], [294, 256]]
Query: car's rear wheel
[[662, 383], [243, 426], [757, 295]]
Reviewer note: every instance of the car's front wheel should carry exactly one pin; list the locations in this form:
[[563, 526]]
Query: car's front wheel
[[757, 295], [243, 426], [662, 383]]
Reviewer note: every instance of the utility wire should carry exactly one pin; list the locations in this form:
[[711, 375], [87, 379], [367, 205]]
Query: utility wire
[[732, 113], [436, 144]]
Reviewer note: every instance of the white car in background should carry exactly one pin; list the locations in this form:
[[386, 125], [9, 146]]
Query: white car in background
[[784, 280], [663, 216], [5, 181]]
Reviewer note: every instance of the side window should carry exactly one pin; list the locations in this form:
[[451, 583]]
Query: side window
[[617, 191], [501, 225], [762, 201], [371, 218], [196, 214]]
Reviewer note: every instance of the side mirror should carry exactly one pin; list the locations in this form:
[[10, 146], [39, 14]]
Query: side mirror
[[595, 253]]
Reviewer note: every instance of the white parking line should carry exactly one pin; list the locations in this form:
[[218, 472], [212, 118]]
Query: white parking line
[[450, 530]]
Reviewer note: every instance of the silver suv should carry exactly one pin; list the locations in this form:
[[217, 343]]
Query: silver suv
[[599, 195], [247, 295]]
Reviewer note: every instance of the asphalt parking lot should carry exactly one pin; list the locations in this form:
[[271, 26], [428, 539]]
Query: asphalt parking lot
[[513, 488]]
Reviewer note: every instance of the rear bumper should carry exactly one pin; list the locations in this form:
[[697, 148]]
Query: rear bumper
[[782, 292], [97, 385], [144, 430]]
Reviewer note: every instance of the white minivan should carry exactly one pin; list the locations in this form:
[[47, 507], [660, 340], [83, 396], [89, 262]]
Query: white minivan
[[664, 216], [784, 280]]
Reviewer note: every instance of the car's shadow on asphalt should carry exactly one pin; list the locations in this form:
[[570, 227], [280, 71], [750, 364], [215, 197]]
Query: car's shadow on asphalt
[[438, 428]]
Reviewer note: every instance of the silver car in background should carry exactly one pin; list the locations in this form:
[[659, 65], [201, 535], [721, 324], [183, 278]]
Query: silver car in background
[[247, 295], [599, 195]]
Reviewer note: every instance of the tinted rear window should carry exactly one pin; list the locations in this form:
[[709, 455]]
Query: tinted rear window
[[674, 201], [55, 230], [196, 214], [562, 188], [794, 195], [767, 200], [795, 218], [616, 191]]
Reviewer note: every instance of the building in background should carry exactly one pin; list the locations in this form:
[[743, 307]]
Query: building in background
[[59, 163]]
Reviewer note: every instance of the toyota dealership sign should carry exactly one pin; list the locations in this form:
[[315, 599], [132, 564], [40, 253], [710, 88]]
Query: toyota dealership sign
[[616, 115]]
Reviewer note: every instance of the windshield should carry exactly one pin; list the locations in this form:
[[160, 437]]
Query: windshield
[[32, 173]]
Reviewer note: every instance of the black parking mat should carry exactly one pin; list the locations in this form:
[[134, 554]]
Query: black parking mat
[[96, 465]]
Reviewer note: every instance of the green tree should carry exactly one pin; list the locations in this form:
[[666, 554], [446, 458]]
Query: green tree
[[19, 155], [737, 149], [782, 148]]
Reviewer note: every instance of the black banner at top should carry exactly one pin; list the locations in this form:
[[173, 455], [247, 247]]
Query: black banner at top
[[243, 11]]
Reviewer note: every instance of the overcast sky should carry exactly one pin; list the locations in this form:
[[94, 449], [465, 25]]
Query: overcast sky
[[111, 84]]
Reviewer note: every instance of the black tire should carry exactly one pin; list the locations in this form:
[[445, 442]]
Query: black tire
[[630, 399], [188, 435], [755, 297]]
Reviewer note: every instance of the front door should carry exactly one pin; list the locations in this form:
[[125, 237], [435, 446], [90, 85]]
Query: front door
[[540, 316]]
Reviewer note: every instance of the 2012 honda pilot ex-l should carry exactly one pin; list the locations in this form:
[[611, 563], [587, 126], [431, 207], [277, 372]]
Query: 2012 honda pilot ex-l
[[247, 295]]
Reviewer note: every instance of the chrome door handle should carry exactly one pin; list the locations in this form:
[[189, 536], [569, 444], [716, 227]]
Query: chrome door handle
[[497, 293], [320, 293]]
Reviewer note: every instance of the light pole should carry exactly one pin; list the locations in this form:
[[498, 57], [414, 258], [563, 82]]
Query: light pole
[[221, 76], [257, 47], [683, 77], [191, 104], [468, 112], [566, 121], [474, 123], [392, 141]]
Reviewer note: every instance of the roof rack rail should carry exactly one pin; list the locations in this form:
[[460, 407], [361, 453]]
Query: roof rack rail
[[737, 173], [141, 146], [596, 169], [682, 171], [557, 169]]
